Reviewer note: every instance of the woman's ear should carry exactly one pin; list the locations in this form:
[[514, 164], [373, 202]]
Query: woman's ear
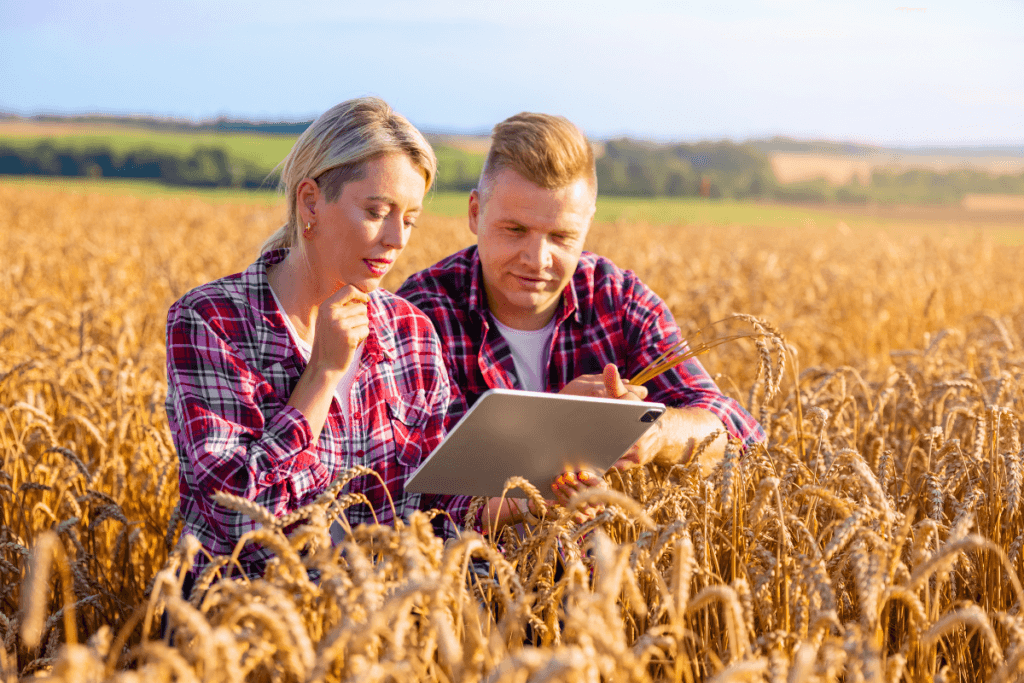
[[307, 193]]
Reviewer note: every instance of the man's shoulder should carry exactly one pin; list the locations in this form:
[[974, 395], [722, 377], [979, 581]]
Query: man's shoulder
[[443, 285], [597, 275]]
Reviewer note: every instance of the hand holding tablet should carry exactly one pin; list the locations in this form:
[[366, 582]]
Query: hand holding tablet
[[537, 436]]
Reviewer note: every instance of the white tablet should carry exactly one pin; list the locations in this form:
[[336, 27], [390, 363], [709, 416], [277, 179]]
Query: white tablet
[[533, 435]]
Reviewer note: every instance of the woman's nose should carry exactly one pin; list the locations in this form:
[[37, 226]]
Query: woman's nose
[[396, 232]]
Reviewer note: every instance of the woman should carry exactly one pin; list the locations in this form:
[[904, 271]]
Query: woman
[[285, 375]]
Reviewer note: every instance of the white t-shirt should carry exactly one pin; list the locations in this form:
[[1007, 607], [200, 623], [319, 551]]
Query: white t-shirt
[[344, 388], [530, 353]]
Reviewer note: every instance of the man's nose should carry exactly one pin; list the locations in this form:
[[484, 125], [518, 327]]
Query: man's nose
[[537, 253]]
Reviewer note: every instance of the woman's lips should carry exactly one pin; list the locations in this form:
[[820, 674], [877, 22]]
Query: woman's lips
[[378, 266]]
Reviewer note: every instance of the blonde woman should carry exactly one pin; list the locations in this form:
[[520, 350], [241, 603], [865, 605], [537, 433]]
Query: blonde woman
[[285, 375]]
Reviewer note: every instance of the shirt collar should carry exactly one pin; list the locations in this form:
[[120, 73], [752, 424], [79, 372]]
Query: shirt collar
[[477, 293]]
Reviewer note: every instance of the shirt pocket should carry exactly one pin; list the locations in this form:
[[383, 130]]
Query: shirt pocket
[[409, 414], [281, 378]]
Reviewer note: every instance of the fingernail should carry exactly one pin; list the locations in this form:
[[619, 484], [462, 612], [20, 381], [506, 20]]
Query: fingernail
[[585, 476]]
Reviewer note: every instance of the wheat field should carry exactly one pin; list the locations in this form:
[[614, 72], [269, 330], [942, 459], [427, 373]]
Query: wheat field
[[877, 537]]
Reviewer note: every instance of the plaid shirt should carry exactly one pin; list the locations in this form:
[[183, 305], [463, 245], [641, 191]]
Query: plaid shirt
[[231, 368], [607, 316]]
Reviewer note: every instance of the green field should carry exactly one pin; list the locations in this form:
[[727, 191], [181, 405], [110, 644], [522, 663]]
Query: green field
[[457, 168], [658, 211], [263, 150]]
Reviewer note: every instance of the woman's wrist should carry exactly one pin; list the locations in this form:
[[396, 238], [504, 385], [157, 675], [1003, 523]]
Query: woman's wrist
[[529, 512], [325, 373]]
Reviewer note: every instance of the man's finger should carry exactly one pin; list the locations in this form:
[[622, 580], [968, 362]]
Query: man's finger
[[612, 382], [637, 390]]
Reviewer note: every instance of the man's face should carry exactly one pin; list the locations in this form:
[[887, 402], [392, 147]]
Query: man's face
[[530, 240]]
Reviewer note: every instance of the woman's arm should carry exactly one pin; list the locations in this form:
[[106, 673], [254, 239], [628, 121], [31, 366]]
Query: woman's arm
[[342, 324], [232, 431]]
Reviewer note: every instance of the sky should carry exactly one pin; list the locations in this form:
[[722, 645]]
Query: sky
[[925, 73]]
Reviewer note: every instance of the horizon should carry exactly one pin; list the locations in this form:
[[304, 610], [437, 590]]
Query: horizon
[[878, 74], [1011, 148]]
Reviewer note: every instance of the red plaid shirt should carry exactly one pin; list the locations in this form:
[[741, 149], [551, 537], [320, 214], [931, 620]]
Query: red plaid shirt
[[231, 368], [607, 316]]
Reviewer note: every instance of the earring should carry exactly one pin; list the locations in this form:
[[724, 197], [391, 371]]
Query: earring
[[308, 229]]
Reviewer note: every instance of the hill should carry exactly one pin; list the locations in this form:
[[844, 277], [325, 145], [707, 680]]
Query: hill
[[236, 153]]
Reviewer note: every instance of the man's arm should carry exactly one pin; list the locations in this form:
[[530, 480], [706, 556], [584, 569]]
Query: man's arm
[[651, 330], [675, 435]]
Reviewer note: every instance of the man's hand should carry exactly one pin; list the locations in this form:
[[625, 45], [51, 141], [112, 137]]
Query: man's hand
[[606, 385], [651, 443], [675, 436], [644, 450]]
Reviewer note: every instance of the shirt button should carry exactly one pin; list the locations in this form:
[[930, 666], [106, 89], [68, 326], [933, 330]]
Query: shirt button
[[359, 456], [357, 416]]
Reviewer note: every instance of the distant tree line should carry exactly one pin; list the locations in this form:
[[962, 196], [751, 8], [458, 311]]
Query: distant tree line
[[742, 171], [202, 167], [713, 169], [627, 168], [205, 166]]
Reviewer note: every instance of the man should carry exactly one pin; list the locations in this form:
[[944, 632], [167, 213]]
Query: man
[[527, 308]]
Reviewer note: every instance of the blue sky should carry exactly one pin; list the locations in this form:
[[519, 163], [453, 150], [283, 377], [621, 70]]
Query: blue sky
[[940, 73]]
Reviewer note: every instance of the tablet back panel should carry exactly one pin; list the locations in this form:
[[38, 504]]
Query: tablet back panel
[[533, 435]]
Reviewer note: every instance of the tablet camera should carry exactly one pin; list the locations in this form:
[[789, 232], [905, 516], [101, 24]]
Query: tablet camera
[[650, 416]]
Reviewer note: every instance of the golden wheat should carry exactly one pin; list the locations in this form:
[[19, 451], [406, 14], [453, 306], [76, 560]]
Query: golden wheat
[[877, 536]]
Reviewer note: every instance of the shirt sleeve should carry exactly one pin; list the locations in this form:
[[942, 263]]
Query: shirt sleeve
[[650, 331], [235, 434]]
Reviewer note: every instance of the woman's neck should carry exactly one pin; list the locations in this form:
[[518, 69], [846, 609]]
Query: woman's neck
[[292, 282]]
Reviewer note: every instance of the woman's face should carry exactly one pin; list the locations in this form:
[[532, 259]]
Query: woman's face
[[356, 239]]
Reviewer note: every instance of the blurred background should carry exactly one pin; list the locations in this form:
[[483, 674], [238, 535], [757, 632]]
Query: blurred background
[[872, 105]]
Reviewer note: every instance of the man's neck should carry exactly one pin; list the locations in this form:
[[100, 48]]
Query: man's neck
[[519, 319]]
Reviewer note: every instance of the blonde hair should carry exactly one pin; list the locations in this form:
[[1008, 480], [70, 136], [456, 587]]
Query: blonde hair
[[333, 150], [547, 150]]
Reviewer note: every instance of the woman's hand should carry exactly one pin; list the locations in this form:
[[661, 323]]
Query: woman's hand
[[342, 324], [571, 483]]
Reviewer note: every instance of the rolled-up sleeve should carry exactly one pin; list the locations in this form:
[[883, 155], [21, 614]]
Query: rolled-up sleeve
[[650, 331]]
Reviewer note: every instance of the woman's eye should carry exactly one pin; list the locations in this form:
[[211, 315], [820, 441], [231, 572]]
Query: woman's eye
[[410, 223], [375, 214]]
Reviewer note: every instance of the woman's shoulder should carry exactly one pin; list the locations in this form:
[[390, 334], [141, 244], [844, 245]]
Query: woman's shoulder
[[230, 302], [224, 296]]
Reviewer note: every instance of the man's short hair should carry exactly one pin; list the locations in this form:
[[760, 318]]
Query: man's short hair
[[547, 150]]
